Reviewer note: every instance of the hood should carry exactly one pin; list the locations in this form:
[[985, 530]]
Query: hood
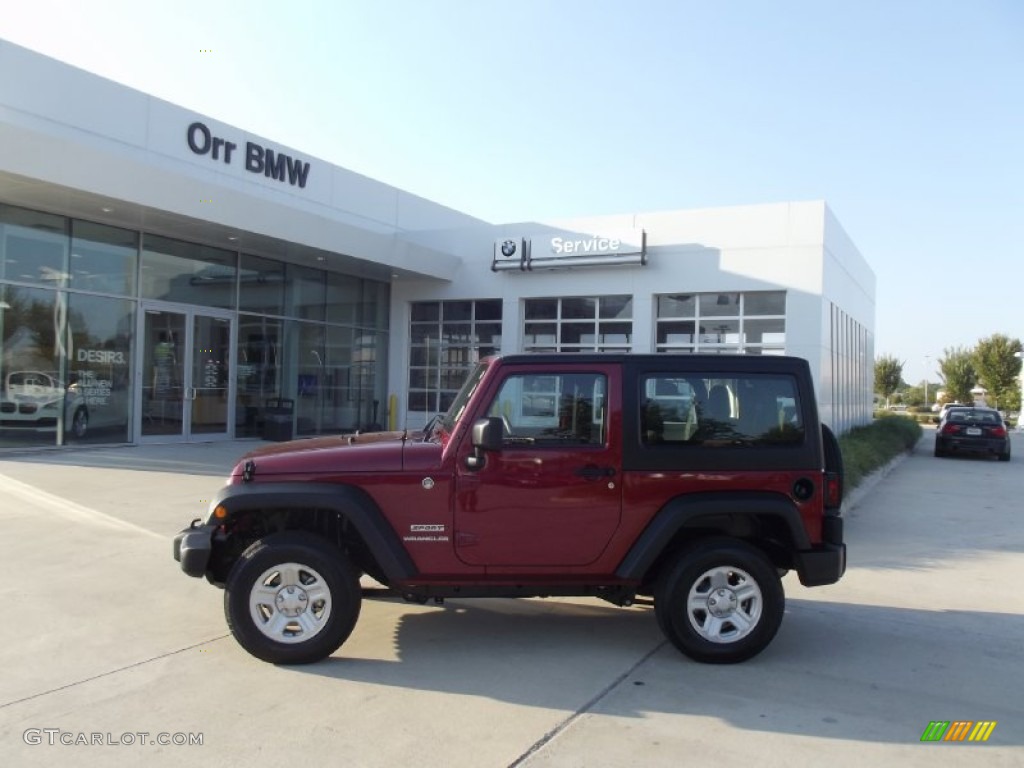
[[338, 454]]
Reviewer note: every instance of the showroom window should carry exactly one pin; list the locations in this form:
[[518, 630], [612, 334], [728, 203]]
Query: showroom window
[[588, 324], [67, 322], [447, 339], [103, 259], [305, 292], [261, 285], [100, 332], [752, 323], [355, 301], [65, 365], [34, 381], [173, 270], [332, 373], [33, 247], [66, 329]]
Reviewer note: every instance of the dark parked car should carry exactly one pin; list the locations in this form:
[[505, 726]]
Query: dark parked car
[[973, 430], [945, 409]]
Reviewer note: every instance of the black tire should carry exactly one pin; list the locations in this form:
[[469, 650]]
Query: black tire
[[1005, 456], [319, 589], [736, 567], [833, 457], [939, 453], [79, 423]]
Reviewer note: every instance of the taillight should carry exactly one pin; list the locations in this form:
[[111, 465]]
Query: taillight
[[833, 490], [951, 429], [998, 431]]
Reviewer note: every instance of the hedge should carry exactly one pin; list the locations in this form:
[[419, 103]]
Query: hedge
[[871, 447]]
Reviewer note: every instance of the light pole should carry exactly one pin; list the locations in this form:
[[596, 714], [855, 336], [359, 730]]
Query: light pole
[[926, 359], [1020, 408]]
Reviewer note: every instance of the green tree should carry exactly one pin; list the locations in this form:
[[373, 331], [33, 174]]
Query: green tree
[[888, 376], [958, 374], [915, 395], [998, 365]]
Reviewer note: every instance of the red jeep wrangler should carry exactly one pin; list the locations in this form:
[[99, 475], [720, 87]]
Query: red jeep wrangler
[[695, 480]]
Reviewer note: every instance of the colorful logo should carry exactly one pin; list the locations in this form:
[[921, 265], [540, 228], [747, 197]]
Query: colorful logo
[[958, 730]]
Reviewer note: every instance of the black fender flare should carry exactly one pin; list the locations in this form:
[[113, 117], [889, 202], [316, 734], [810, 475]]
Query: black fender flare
[[349, 502], [685, 510]]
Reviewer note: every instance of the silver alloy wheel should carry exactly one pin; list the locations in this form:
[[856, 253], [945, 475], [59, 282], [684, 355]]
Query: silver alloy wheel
[[724, 605], [290, 603]]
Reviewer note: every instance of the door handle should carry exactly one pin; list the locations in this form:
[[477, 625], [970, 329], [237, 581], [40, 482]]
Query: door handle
[[594, 472]]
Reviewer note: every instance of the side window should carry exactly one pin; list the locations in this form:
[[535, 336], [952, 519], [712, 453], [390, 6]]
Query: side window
[[668, 409], [768, 412], [719, 410], [555, 408]]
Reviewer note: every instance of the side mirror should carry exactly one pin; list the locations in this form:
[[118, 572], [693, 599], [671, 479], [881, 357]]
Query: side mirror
[[486, 435]]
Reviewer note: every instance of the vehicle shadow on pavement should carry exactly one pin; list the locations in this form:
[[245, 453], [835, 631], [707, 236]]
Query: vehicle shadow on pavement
[[836, 671]]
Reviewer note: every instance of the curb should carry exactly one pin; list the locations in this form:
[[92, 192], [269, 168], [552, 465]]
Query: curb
[[853, 499]]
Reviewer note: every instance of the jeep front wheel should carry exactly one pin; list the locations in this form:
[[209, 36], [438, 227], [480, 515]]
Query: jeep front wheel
[[722, 602], [292, 599]]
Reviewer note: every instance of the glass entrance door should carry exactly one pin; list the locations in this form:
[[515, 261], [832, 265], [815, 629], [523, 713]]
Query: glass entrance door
[[186, 374], [209, 398]]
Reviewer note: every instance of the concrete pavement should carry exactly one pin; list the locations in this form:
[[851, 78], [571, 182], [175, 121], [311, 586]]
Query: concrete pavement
[[101, 634]]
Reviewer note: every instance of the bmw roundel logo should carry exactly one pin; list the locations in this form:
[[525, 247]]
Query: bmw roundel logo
[[508, 248]]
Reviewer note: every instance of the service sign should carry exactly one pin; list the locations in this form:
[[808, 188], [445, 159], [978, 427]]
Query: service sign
[[569, 244], [558, 248]]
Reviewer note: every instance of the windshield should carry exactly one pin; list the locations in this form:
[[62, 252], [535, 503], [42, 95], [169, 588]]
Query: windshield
[[461, 399]]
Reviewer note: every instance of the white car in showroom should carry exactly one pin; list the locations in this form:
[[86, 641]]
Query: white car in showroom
[[31, 400]]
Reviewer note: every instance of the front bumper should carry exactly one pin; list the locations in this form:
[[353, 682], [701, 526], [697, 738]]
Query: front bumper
[[192, 548]]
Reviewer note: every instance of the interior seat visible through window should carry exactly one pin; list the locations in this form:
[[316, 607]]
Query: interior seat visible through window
[[719, 403]]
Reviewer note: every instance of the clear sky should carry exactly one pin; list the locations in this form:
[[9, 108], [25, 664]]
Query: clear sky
[[906, 116]]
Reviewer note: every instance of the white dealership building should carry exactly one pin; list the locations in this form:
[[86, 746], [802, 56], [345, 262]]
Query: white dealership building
[[165, 276]]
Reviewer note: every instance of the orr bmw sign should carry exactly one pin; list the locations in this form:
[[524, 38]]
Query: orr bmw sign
[[256, 158], [564, 249]]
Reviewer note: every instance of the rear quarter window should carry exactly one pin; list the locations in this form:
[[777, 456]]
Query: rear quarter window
[[719, 410]]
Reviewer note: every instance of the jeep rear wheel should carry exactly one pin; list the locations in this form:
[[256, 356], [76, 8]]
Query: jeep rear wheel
[[722, 602], [292, 599]]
